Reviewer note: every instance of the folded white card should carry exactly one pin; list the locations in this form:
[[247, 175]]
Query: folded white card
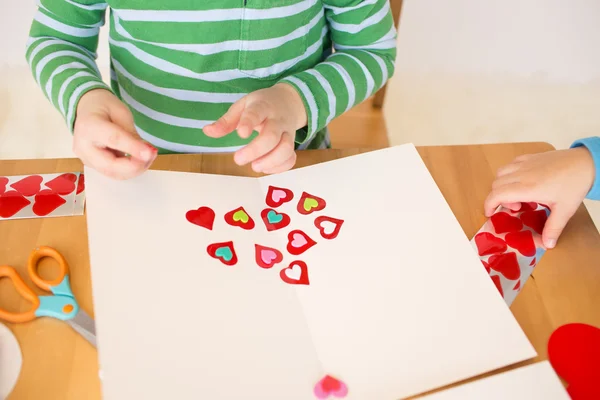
[[397, 304]]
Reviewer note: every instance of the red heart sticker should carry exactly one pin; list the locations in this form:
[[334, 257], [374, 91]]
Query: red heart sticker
[[295, 274], [299, 242], [12, 202], [574, 352], [224, 252], [266, 257], [63, 184], [488, 244], [29, 185], [203, 216], [521, 241], [503, 222], [496, 280], [80, 184], [328, 227], [240, 218], [506, 264], [47, 201], [277, 196], [3, 182], [309, 204], [274, 220], [536, 220], [330, 386]]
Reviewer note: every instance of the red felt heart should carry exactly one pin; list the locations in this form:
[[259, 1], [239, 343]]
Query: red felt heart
[[521, 241], [299, 242], [266, 257], [12, 202], [224, 252], [274, 220], [277, 196], [80, 184], [204, 217], [503, 222], [328, 227], [528, 207], [28, 186], [309, 204], [488, 244], [3, 182], [240, 218], [506, 264], [47, 201], [496, 280], [574, 352], [295, 274], [536, 220], [63, 184]]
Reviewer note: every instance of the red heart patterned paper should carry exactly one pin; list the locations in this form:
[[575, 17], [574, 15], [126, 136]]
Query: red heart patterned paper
[[28, 186], [47, 201], [489, 244], [3, 182], [11, 203], [536, 220], [506, 264], [503, 223], [63, 184], [521, 241], [80, 184], [496, 280]]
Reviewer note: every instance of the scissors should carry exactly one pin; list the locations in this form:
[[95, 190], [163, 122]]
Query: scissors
[[60, 305]]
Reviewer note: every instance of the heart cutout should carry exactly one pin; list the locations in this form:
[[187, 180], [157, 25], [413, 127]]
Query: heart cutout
[[267, 257], [80, 184], [574, 352], [488, 244], [299, 242], [295, 274], [63, 184], [28, 186], [536, 220], [203, 216], [274, 220], [309, 204], [503, 223], [328, 227], [506, 264], [330, 386], [277, 196], [522, 242], [11, 203], [3, 183], [240, 218], [224, 252], [46, 202]]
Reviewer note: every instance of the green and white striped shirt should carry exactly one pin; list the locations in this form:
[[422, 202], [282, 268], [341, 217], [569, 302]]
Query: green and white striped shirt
[[180, 64]]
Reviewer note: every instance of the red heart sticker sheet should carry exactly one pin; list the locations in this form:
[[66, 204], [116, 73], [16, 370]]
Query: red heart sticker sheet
[[42, 195], [510, 246]]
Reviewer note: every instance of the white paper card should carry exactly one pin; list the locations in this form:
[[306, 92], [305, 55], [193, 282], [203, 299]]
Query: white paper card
[[533, 382], [398, 304]]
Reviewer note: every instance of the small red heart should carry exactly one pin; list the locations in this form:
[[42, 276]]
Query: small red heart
[[521, 241], [240, 218], [496, 280], [224, 252], [528, 207], [328, 226], [277, 196], [299, 242], [3, 182], [506, 264], [486, 266], [63, 184], [80, 184], [266, 257], [536, 220], [47, 201], [274, 220], [29, 185], [295, 274], [488, 244], [12, 202], [309, 204], [574, 352], [204, 217], [503, 222]]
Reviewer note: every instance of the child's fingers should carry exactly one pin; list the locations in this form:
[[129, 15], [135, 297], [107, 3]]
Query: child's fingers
[[510, 193], [512, 206], [285, 166], [109, 135], [505, 180], [508, 169], [252, 116], [228, 122], [267, 139], [105, 162], [280, 154], [556, 223]]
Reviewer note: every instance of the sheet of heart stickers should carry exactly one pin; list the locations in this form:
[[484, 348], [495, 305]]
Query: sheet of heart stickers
[[42, 195], [298, 241], [510, 246]]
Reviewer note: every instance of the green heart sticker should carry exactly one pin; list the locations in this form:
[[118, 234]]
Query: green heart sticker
[[310, 204], [241, 216]]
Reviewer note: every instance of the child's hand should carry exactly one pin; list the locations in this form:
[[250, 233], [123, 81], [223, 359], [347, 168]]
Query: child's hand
[[104, 133], [558, 179], [275, 113]]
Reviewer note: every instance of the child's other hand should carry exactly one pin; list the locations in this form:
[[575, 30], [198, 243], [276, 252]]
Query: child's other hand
[[275, 113], [558, 179], [104, 133]]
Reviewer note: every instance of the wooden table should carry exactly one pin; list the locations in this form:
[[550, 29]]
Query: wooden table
[[58, 364]]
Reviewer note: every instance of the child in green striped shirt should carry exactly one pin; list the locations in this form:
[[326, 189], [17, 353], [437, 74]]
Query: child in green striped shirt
[[258, 78]]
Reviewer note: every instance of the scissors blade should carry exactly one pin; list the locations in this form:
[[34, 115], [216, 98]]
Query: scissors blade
[[85, 326]]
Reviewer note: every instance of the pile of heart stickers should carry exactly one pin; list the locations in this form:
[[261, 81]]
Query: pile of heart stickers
[[510, 246], [46, 195], [273, 220]]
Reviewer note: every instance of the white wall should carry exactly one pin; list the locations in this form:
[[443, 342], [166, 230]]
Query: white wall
[[29, 126]]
